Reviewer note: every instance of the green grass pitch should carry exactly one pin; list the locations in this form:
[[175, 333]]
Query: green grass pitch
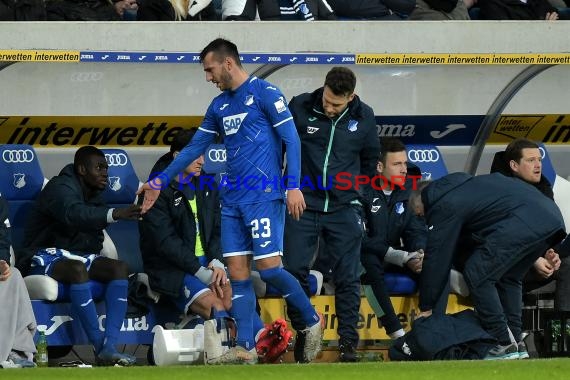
[[549, 369]]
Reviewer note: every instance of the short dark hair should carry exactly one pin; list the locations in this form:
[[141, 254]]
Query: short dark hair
[[515, 148], [390, 145], [84, 154], [341, 81], [416, 194], [222, 49], [181, 139]]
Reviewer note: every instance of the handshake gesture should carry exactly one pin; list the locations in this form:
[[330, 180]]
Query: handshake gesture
[[132, 212]]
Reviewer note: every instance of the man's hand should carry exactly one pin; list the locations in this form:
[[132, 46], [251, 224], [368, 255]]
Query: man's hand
[[543, 267], [295, 203], [415, 263], [424, 314], [150, 191], [552, 257], [133, 212], [5, 271], [219, 280]]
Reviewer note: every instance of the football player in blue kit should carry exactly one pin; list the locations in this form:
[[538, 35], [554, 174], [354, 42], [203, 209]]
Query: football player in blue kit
[[252, 116]]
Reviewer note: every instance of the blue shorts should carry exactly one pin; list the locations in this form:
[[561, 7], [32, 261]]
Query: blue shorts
[[253, 229], [191, 289], [43, 260]]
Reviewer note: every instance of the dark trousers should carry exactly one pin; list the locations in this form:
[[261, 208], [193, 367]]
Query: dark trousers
[[497, 296], [374, 276], [341, 231], [533, 280]]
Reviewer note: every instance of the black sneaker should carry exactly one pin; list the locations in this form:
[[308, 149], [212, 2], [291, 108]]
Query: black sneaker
[[347, 351], [299, 348]]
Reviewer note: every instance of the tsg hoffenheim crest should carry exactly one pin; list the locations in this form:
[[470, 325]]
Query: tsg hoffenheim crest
[[19, 180], [115, 183]]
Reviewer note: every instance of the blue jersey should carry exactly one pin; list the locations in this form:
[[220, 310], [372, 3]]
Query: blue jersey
[[255, 121]]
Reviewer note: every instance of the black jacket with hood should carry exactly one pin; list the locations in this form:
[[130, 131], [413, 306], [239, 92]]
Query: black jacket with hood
[[62, 217], [495, 212], [168, 233]]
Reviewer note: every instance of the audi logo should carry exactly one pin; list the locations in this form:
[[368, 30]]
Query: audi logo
[[423, 155], [86, 76], [116, 159], [542, 152], [18, 156], [217, 155]]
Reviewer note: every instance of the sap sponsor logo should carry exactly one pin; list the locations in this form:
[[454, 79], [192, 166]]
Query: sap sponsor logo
[[19, 180], [448, 129], [233, 122], [115, 183], [396, 130], [280, 105]]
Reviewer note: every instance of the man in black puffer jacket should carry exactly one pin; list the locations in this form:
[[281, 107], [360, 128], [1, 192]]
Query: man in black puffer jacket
[[339, 145], [498, 215]]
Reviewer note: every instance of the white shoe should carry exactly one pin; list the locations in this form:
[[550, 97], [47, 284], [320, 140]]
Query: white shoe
[[314, 340], [235, 355]]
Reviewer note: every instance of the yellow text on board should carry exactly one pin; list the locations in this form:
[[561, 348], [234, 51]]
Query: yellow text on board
[[551, 128], [463, 59], [39, 56], [368, 327]]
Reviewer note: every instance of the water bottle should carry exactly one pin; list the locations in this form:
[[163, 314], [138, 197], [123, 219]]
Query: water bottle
[[42, 354]]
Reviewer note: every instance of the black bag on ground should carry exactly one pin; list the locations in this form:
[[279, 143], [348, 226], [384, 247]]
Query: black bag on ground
[[444, 337]]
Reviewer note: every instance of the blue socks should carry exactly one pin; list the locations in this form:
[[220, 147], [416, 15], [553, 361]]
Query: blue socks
[[292, 292], [243, 308], [83, 306], [116, 305]]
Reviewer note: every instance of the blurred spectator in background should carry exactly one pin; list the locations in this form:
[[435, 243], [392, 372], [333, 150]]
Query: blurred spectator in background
[[517, 10], [88, 10], [373, 9], [442, 9], [271, 10]]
